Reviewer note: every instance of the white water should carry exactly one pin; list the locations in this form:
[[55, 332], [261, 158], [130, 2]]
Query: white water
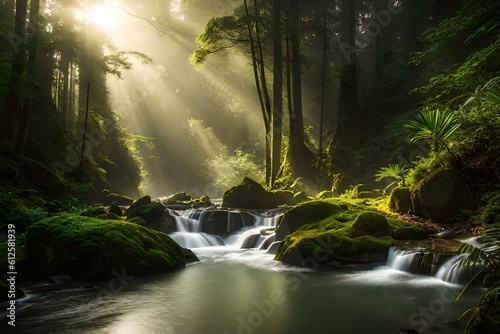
[[454, 270], [245, 291], [232, 228]]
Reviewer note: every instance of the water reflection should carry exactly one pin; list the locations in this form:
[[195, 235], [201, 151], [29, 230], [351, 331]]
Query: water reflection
[[235, 291]]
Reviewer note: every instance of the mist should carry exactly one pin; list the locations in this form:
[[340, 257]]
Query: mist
[[159, 99]]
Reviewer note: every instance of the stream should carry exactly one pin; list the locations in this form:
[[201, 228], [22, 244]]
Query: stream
[[244, 291]]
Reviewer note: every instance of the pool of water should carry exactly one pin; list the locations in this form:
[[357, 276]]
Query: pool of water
[[246, 291]]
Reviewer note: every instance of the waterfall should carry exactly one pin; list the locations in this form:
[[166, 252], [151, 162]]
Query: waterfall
[[404, 260], [448, 268], [220, 227], [455, 271]]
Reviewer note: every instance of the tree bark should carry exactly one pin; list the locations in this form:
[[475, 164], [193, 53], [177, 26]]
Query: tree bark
[[12, 113], [277, 115], [261, 91], [296, 119]]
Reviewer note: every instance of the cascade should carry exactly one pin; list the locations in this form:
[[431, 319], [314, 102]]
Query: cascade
[[222, 227], [404, 260], [454, 271], [448, 268]]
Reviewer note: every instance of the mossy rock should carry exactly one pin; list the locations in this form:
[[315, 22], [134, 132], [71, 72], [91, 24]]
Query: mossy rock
[[400, 200], [115, 209], [149, 212], [372, 223], [410, 232], [90, 248], [137, 220], [303, 249], [94, 211], [442, 195], [488, 313], [303, 214], [249, 195]]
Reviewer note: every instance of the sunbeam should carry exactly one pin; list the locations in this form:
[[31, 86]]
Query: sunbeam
[[158, 100]]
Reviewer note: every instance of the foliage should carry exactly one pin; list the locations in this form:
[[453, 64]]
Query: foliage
[[475, 18], [486, 256], [13, 211], [221, 33], [394, 171], [489, 92], [228, 170], [118, 61], [435, 126]]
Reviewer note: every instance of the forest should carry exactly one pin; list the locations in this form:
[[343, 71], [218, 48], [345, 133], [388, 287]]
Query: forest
[[392, 102]]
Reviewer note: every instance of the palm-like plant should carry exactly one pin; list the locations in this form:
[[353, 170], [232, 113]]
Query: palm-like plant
[[394, 171], [489, 92], [435, 126], [487, 253]]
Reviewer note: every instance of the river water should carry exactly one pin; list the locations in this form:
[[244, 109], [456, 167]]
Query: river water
[[245, 291]]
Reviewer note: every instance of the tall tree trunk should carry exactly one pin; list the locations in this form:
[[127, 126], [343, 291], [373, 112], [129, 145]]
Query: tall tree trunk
[[11, 118], [323, 79], [261, 91], [64, 105], [297, 119], [33, 29], [71, 108], [346, 134], [277, 114]]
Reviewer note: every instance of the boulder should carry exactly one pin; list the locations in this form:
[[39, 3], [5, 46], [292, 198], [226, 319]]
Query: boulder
[[372, 223], [400, 200], [442, 195], [305, 213], [178, 197], [249, 195], [91, 248], [155, 215], [115, 209]]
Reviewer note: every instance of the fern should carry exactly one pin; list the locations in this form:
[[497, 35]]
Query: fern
[[486, 254]]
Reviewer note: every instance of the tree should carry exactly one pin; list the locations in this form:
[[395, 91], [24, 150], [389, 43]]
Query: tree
[[277, 115], [12, 112]]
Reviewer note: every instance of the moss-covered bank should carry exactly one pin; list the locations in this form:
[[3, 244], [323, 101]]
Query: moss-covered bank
[[91, 248], [333, 232]]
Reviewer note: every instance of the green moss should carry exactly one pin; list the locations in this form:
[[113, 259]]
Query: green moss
[[400, 200], [94, 211], [372, 223], [402, 230], [312, 211], [85, 247], [341, 229], [137, 220]]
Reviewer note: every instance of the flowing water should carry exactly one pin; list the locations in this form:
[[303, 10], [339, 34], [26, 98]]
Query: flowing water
[[234, 290]]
